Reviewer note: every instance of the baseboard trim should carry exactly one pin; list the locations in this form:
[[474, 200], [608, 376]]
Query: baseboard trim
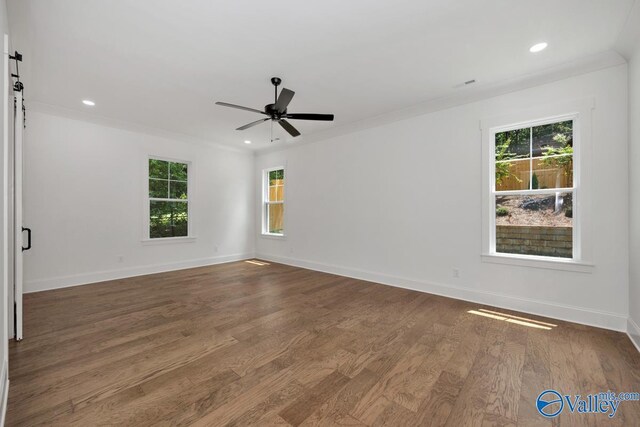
[[633, 330], [4, 395], [101, 276], [564, 312]]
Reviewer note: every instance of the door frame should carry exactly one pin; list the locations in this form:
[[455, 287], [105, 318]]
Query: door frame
[[7, 231], [18, 132]]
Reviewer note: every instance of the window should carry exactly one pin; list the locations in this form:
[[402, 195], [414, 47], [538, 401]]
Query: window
[[533, 189], [273, 206], [168, 199]]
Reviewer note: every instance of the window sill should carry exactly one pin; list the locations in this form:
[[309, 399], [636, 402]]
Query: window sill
[[274, 236], [169, 240], [539, 262]]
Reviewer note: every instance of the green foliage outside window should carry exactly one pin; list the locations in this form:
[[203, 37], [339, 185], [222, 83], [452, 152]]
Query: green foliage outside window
[[502, 211], [275, 175], [562, 156], [503, 166], [168, 181]]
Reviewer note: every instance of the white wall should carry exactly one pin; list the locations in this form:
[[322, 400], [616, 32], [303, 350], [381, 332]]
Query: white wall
[[401, 204], [634, 197], [84, 200]]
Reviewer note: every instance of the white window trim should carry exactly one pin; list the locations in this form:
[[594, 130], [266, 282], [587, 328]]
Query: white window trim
[[263, 205], [578, 110], [190, 237]]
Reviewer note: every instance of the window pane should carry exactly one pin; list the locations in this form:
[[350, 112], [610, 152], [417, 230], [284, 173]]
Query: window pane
[[168, 219], [512, 164], [177, 190], [275, 218], [556, 135], [158, 169], [553, 155], [276, 186], [513, 175], [513, 144], [535, 225], [276, 192], [158, 188], [553, 171], [276, 175], [179, 171], [180, 220]]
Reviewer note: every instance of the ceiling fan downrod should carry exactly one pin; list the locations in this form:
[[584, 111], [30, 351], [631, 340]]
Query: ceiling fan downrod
[[276, 82]]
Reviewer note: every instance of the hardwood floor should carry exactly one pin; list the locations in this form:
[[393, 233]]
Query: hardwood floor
[[242, 343]]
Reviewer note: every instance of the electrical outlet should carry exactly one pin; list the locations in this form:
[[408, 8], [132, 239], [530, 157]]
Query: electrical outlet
[[215, 248], [120, 258], [456, 273]]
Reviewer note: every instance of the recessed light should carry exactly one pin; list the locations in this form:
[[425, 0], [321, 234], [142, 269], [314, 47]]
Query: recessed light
[[247, 141], [538, 47], [88, 102]]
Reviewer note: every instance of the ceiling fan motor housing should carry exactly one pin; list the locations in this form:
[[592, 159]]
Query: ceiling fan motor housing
[[271, 111]]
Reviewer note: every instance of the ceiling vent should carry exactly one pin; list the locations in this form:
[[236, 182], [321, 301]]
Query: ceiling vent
[[467, 83]]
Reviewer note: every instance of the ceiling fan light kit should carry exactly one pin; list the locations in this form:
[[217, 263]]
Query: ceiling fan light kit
[[277, 112]]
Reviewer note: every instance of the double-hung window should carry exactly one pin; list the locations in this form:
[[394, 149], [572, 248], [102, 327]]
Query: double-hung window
[[533, 189], [168, 212], [273, 202]]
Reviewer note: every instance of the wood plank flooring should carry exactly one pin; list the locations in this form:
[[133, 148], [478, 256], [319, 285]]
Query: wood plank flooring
[[249, 344]]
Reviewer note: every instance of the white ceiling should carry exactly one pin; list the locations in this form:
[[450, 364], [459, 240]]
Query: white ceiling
[[163, 63]]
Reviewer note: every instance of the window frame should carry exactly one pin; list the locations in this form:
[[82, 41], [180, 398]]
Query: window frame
[[266, 202], [574, 117], [580, 112], [146, 234]]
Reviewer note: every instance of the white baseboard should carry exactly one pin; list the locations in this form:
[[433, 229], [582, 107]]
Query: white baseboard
[[101, 276], [4, 392], [633, 330], [537, 307]]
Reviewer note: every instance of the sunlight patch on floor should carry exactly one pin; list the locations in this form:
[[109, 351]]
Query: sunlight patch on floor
[[256, 262], [513, 319]]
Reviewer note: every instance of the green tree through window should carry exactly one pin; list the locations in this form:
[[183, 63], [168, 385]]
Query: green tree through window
[[168, 199]]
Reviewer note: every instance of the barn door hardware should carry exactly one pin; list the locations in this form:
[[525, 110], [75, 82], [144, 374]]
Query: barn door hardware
[[17, 86]]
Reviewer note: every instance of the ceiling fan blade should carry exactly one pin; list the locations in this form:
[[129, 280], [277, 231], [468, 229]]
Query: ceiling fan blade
[[310, 116], [240, 107], [257, 122], [284, 99], [289, 128]]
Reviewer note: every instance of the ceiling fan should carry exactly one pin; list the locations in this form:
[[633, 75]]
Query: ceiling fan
[[277, 112]]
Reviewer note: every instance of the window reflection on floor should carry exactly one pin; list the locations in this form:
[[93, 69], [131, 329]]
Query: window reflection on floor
[[256, 262], [512, 319]]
